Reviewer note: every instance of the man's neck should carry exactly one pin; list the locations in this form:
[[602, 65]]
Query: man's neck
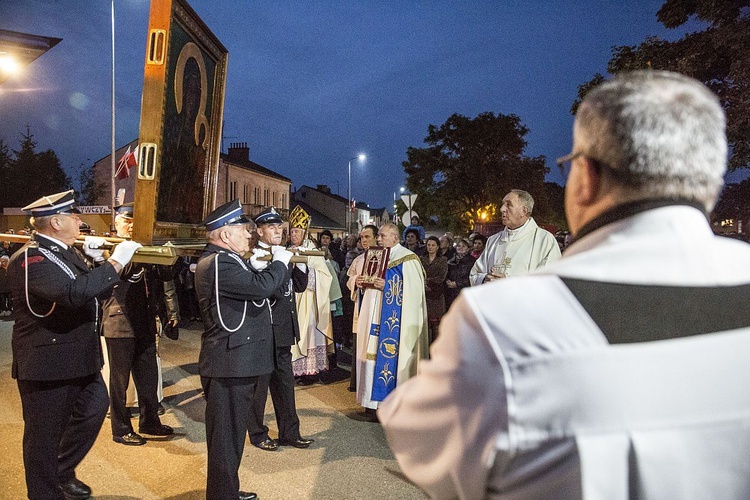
[[53, 239], [518, 227], [222, 245]]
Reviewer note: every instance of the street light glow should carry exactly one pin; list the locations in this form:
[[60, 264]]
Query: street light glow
[[8, 63], [360, 157]]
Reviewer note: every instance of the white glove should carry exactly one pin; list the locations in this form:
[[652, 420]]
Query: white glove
[[281, 254], [258, 253], [91, 247], [302, 266], [124, 252], [193, 267]]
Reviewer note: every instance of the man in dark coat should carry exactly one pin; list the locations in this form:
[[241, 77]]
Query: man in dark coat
[[285, 333], [129, 327], [237, 345], [57, 357]]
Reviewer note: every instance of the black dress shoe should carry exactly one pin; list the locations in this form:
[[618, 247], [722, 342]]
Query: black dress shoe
[[268, 444], [160, 430], [245, 495], [371, 415], [75, 489], [297, 443], [130, 439]]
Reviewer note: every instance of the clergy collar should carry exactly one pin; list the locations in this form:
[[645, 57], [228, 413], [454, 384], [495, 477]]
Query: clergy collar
[[53, 240], [511, 232], [630, 209]]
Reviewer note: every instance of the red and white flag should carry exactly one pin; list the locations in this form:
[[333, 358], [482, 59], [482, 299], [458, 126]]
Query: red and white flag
[[128, 161]]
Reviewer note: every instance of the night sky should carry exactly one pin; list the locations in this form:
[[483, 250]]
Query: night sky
[[313, 83]]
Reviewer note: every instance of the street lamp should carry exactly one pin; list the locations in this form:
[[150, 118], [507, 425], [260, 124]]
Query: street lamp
[[402, 188], [360, 157]]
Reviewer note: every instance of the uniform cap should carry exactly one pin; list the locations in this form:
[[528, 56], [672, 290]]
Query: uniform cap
[[125, 210], [59, 203], [269, 215], [226, 215]]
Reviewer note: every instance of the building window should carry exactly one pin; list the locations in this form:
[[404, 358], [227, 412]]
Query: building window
[[245, 194], [232, 190], [275, 200], [256, 195], [283, 201], [265, 197]]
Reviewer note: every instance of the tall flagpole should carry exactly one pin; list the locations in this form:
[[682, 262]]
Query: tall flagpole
[[112, 156]]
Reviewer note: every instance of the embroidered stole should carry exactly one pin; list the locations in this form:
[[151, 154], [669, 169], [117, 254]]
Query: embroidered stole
[[388, 333]]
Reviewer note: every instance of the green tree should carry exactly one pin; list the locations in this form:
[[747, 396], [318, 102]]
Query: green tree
[[718, 55], [5, 166], [556, 203], [32, 175], [90, 189], [469, 164]]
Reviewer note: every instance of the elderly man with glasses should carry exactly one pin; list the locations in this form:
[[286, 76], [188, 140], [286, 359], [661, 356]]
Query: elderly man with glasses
[[619, 371]]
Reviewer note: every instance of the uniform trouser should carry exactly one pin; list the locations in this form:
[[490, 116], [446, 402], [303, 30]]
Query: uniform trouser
[[132, 395], [61, 422], [138, 356], [281, 383], [228, 411]]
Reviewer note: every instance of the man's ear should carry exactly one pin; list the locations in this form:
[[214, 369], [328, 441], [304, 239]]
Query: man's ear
[[589, 182]]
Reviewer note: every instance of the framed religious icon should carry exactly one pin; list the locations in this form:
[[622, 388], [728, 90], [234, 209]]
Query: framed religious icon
[[376, 262], [180, 130]]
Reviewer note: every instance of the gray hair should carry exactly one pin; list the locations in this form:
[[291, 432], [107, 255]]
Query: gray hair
[[41, 223], [661, 134], [526, 199]]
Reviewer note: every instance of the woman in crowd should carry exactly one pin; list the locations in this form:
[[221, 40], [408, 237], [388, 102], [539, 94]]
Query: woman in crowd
[[436, 268], [413, 242], [354, 246], [446, 246], [459, 268]]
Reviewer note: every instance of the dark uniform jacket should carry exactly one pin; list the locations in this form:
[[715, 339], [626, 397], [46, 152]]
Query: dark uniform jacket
[[63, 344], [130, 308], [284, 306], [243, 345]]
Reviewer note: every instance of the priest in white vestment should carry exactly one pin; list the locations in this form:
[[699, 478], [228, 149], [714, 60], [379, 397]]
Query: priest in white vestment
[[392, 324], [518, 249], [310, 354]]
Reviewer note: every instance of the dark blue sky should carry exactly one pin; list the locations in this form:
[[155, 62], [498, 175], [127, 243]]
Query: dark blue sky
[[312, 84]]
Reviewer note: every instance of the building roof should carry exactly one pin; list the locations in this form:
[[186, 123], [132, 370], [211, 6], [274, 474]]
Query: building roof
[[336, 197], [251, 165], [318, 220]]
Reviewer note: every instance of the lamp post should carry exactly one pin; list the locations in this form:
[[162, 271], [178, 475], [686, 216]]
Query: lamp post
[[394, 203], [360, 157]]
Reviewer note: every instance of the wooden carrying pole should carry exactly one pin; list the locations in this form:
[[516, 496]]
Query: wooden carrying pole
[[165, 255]]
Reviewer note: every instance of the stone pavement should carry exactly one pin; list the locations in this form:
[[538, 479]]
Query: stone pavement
[[349, 459]]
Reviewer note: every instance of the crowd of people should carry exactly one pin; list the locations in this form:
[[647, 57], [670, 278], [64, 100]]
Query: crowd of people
[[548, 377]]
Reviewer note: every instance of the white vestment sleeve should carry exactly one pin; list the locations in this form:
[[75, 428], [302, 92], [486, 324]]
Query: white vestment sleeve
[[443, 424], [354, 270], [479, 270]]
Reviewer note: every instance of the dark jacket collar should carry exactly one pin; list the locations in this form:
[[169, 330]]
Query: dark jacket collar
[[630, 209]]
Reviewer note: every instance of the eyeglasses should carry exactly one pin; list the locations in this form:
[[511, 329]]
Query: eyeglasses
[[565, 164]]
